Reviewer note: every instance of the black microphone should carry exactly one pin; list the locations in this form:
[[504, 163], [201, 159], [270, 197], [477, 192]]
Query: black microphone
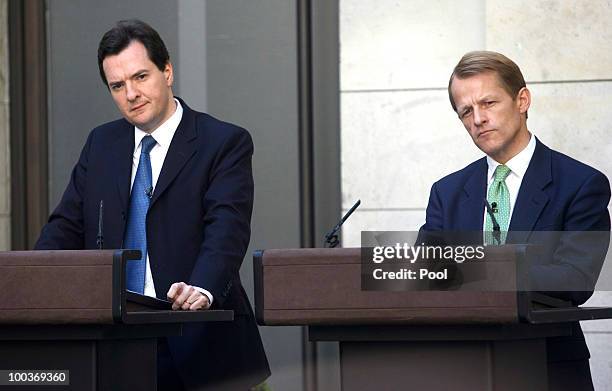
[[149, 192], [331, 239], [496, 228], [100, 238]]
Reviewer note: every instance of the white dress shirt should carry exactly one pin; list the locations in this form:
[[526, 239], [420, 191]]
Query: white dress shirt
[[518, 166], [163, 136]]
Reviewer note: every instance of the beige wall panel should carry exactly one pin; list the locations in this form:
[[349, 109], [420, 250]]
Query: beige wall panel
[[395, 145], [390, 44], [5, 163], [576, 119], [600, 345], [553, 39], [380, 220], [5, 233], [4, 62]]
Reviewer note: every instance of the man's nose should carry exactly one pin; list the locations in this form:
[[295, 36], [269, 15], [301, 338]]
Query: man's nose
[[479, 116], [132, 92]]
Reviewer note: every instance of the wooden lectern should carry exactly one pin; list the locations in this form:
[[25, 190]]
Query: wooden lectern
[[70, 311], [471, 337]]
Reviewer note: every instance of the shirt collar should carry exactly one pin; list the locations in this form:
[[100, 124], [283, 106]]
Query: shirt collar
[[164, 133], [518, 164]]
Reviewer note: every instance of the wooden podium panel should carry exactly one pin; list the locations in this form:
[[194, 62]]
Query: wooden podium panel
[[487, 332], [80, 287], [98, 357], [323, 286], [69, 310], [504, 357], [441, 366], [56, 287]]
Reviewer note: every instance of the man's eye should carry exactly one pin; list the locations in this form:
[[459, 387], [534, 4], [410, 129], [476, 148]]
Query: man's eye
[[141, 77], [489, 103], [465, 113], [115, 87]]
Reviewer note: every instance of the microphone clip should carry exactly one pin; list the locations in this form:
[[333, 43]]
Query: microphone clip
[[496, 227], [494, 207]]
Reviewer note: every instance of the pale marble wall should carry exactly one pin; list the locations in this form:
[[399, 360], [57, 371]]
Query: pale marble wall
[[399, 133], [394, 105], [390, 44], [553, 40], [5, 167]]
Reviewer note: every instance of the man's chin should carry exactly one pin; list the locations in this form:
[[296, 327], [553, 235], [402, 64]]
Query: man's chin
[[140, 124], [488, 148]]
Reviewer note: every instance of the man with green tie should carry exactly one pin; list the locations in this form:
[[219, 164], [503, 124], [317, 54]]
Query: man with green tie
[[522, 185]]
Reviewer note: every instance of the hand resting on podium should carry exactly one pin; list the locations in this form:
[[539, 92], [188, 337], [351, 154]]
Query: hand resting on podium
[[187, 297]]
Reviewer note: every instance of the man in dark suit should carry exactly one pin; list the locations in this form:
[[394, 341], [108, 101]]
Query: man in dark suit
[[176, 184], [529, 188]]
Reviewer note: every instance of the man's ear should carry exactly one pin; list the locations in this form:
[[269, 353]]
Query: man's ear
[[523, 100], [169, 73]]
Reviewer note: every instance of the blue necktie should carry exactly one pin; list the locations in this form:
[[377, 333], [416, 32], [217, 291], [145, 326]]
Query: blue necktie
[[136, 232]]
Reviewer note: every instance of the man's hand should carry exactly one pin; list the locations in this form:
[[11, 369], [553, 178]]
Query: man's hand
[[186, 297]]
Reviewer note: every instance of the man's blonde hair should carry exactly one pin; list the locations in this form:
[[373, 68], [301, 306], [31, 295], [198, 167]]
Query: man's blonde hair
[[475, 63]]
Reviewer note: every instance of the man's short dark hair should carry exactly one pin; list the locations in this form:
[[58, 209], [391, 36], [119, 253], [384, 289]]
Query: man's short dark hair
[[475, 63], [123, 33]]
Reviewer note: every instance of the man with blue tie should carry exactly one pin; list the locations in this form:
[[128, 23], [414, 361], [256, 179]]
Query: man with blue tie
[[177, 185], [522, 185]]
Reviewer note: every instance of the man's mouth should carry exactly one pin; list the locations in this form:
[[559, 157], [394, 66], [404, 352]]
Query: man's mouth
[[139, 106], [484, 133]]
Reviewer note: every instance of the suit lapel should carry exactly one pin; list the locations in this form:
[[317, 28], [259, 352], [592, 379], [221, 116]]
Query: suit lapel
[[121, 162], [181, 149], [471, 208], [531, 198]]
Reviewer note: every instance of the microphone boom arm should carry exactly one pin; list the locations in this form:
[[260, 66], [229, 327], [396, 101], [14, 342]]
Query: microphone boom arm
[[331, 238]]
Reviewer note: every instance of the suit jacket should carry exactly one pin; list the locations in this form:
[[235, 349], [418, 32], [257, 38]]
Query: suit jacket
[[198, 230], [557, 194]]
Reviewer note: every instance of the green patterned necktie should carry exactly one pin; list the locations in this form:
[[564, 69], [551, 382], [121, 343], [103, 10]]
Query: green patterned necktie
[[499, 199]]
